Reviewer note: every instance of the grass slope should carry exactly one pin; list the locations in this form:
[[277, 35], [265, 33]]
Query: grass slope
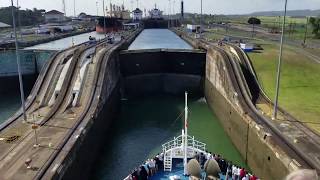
[[300, 82]]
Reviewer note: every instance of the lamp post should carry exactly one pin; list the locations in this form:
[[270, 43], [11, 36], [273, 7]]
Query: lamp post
[[306, 32], [104, 19], [18, 63], [19, 19], [169, 13], [201, 19], [275, 108], [74, 8], [97, 9]]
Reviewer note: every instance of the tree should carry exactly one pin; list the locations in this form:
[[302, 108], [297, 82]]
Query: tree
[[254, 21], [27, 17], [315, 22]]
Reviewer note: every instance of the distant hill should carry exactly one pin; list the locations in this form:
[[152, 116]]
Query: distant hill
[[297, 13]]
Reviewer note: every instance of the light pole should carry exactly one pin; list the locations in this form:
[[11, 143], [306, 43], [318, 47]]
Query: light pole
[[18, 63], [306, 32], [19, 19], [74, 8], [169, 13], [173, 10], [104, 19], [275, 109], [201, 19], [64, 7], [97, 9]]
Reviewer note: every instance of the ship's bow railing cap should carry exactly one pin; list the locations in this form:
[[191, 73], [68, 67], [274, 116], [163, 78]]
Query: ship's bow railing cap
[[177, 142]]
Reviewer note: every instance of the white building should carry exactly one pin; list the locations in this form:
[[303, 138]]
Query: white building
[[193, 27], [137, 14], [54, 16]]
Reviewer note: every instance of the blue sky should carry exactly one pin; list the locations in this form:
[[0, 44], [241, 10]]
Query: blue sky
[[209, 6]]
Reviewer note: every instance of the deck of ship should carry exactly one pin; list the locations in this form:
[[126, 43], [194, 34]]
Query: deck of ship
[[177, 170]]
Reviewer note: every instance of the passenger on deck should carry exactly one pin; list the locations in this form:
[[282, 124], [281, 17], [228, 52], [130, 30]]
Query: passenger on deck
[[229, 170], [146, 167], [209, 155], [143, 174], [242, 173], [224, 166], [196, 156], [202, 159], [238, 172], [151, 167], [134, 174], [158, 163], [246, 177], [234, 172], [253, 177]]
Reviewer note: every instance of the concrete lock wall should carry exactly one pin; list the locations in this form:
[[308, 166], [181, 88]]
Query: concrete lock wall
[[31, 64], [159, 24], [80, 153], [162, 71], [262, 153], [162, 83], [86, 151]]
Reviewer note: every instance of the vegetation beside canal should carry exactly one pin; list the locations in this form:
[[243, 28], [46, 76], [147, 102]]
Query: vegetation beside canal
[[300, 85]]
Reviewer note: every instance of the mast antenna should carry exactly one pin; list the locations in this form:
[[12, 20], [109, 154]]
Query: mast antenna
[[185, 135]]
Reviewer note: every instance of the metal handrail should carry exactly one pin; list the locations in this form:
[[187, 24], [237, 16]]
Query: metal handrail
[[177, 142]]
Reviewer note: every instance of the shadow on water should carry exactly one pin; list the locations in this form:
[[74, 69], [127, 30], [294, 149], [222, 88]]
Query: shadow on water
[[9, 104], [146, 123]]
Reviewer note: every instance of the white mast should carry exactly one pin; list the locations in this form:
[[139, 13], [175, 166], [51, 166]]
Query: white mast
[[185, 146], [18, 63]]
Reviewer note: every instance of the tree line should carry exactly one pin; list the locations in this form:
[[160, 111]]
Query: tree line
[[315, 22], [23, 17]]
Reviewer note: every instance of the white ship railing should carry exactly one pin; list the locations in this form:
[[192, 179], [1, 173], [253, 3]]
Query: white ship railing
[[177, 142]]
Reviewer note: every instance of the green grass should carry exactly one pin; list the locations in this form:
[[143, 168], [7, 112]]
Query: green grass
[[300, 82], [272, 19], [297, 24]]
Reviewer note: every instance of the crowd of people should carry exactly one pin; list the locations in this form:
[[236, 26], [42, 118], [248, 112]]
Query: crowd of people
[[228, 169], [147, 169]]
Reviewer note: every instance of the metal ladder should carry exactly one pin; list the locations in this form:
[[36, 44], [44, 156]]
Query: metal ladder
[[168, 161]]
